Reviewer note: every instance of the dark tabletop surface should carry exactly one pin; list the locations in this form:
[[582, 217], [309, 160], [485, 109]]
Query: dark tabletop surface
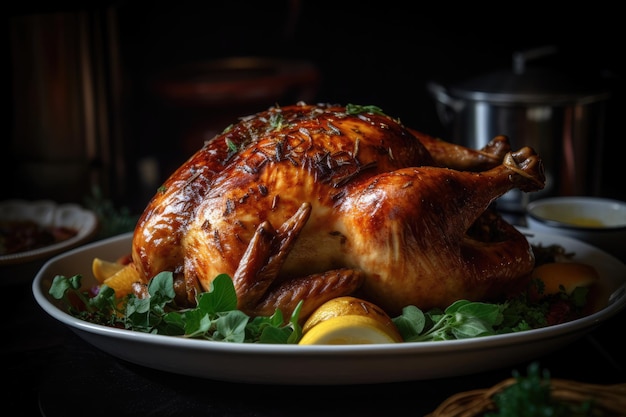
[[50, 371]]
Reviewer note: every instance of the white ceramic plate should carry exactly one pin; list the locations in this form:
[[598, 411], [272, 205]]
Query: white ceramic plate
[[48, 214], [326, 365]]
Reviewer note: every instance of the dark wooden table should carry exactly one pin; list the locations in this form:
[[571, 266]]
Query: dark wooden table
[[48, 370]]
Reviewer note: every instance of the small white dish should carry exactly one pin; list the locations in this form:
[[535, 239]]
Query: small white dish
[[327, 364], [25, 264], [601, 222]]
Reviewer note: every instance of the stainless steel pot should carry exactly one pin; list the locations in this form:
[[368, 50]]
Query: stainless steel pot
[[558, 114]]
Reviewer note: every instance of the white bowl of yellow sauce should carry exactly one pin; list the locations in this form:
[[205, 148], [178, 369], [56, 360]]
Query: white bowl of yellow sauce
[[600, 222]]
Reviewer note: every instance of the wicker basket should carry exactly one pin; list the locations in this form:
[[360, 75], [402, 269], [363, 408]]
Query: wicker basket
[[610, 399]]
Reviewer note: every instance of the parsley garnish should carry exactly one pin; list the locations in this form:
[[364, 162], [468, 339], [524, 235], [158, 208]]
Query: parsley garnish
[[464, 319], [461, 320], [214, 318]]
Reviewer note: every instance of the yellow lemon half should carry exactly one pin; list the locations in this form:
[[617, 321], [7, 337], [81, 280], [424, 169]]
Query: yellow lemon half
[[102, 269], [349, 320], [350, 329], [345, 306]]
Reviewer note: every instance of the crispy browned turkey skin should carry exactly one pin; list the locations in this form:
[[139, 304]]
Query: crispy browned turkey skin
[[312, 202]]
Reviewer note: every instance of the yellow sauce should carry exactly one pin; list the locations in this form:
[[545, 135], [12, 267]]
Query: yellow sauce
[[585, 222]]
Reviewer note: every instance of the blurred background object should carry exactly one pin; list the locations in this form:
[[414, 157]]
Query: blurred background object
[[32, 232], [66, 125], [600, 222], [117, 94], [561, 114]]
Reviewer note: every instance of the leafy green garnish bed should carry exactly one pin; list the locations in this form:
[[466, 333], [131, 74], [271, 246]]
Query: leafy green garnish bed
[[216, 316]]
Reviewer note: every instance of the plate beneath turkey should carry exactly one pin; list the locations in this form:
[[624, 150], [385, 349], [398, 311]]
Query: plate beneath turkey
[[327, 365]]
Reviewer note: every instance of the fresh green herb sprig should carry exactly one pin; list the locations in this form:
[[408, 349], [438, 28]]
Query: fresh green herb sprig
[[461, 320], [232, 146], [530, 396], [214, 318], [100, 309], [357, 109], [277, 121], [112, 220], [464, 319]]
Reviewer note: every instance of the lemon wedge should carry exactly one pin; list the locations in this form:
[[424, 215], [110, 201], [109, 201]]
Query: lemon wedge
[[103, 269], [349, 329]]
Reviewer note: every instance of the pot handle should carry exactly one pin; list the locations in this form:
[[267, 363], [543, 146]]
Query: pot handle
[[447, 107], [521, 58]]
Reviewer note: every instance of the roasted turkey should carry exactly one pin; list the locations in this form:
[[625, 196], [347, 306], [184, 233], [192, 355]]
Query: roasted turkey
[[312, 202]]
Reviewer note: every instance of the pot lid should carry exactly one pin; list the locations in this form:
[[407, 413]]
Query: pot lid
[[236, 80], [522, 84]]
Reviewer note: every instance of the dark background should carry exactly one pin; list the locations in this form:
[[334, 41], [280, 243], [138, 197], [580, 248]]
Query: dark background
[[380, 53], [82, 110]]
